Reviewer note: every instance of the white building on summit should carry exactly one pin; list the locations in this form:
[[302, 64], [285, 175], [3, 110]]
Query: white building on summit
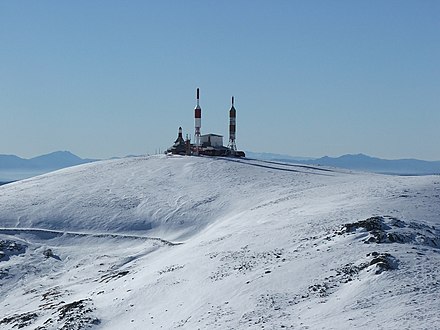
[[211, 140]]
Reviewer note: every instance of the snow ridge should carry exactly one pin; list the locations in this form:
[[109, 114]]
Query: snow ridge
[[200, 243]]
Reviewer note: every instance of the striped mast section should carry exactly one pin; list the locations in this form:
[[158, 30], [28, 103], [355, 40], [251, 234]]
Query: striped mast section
[[197, 123]]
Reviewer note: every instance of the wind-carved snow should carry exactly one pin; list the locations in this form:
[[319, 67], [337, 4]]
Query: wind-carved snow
[[209, 243]]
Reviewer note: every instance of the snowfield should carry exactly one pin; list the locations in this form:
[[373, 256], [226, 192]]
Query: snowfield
[[167, 242]]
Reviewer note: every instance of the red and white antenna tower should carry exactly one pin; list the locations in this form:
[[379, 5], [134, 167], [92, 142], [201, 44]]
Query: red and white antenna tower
[[232, 121], [198, 123]]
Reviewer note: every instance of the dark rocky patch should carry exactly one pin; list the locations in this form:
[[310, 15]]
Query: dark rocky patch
[[4, 274], [391, 230], [319, 289], [20, 320], [112, 276], [383, 262], [48, 253], [10, 248], [370, 224], [75, 315], [51, 294], [51, 299]]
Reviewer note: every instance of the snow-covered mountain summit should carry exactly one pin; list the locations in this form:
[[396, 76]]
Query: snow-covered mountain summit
[[200, 243]]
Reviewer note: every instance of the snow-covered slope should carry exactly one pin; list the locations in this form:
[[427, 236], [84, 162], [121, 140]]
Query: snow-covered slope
[[201, 243]]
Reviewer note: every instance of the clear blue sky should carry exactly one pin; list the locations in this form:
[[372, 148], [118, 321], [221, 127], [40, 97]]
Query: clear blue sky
[[311, 78]]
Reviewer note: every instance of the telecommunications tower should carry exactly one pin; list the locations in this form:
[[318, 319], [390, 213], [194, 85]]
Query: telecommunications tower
[[232, 121]]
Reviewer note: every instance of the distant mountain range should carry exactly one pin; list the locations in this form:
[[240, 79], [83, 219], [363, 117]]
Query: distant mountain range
[[52, 161], [371, 164], [15, 168], [276, 157], [361, 162]]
